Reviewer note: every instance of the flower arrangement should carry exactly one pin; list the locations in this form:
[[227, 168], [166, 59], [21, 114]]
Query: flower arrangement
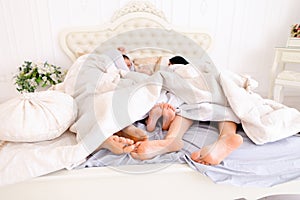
[[295, 31], [32, 75]]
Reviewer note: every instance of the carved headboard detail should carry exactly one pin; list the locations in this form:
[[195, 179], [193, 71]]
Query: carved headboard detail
[[135, 15]]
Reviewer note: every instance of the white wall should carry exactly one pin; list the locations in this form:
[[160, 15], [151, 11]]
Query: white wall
[[244, 32]]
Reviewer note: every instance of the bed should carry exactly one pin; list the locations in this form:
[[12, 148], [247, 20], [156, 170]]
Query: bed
[[104, 174]]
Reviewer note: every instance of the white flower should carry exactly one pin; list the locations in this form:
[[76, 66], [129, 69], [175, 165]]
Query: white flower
[[29, 72], [54, 78], [32, 82], [42, 70], [44, 78], [51, 69]]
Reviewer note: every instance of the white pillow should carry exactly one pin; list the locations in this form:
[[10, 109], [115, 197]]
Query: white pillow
[[38, 116]]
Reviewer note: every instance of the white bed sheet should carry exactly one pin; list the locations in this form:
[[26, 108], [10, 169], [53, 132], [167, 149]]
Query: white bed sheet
[[250, 165]]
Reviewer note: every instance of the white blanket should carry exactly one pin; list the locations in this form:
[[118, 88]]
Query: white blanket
[[110, 99], [263, 120]]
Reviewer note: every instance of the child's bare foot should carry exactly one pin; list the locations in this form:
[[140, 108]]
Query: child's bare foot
[[118, 145], [168, 115], [148, 149], [154, 114], [214, 154], [133, 133]]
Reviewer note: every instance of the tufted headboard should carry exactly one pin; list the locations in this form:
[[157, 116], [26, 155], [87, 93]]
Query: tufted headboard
[[136, 15]]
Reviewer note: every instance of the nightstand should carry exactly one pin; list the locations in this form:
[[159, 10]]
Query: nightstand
[[282, 77]]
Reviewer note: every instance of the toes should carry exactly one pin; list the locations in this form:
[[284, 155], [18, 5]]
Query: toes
[[115, 138], [125, 141], [204, 163], [128, 149], [161, 105], [168, 106], [196, 156], [135, 152], [118, 140], [137, 144], [118, 145], [128, 141]]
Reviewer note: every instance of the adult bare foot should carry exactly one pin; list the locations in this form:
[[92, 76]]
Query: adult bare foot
[[148, 149], [134, 133], [154, 114], [168, 114], [118, 145], [215, 153]]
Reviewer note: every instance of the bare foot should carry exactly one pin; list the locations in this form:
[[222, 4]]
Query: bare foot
[[214, 154], [168, 115], [118, 145], [148, 149], [154, 114], [133, 133]]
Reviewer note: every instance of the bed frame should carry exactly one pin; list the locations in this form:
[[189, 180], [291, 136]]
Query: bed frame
[[162, 181], [159, 181]]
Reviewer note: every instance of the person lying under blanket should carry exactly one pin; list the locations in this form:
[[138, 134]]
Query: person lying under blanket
[[134, 141]]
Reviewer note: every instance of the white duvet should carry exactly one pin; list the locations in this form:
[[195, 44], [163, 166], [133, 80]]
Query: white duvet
[[263, 120], [110, 99]]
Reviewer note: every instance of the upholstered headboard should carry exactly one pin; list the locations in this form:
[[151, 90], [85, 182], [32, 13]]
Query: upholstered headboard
[[134, 16]]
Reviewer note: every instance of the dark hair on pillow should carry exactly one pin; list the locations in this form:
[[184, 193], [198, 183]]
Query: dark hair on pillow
[[125, 57], [178, 60]]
